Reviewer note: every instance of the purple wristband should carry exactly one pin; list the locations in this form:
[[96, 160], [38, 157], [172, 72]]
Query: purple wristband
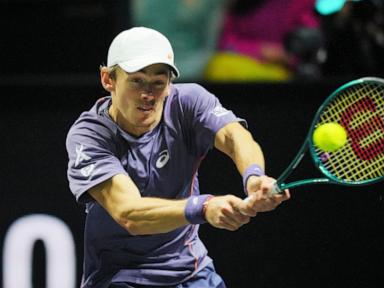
[[253, 170], [194, 210]]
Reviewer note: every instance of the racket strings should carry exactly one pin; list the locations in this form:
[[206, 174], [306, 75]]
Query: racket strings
[[367, 127], [359, 108]]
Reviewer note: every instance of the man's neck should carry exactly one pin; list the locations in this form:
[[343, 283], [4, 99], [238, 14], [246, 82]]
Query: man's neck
[[135, 131]]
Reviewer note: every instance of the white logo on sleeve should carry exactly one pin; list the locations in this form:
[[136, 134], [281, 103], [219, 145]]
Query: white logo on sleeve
[[219, 111], [87, 171], [80, 155], [163, 159]]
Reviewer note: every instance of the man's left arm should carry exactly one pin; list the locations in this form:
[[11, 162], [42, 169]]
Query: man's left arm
[[237, 142]]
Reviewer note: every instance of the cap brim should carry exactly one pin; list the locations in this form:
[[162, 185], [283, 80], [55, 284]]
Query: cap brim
[[138, 64]]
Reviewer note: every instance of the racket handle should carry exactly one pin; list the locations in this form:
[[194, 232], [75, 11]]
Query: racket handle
[[275, 189]]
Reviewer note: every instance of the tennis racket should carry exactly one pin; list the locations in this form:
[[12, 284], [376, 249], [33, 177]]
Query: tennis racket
[[358, 106]]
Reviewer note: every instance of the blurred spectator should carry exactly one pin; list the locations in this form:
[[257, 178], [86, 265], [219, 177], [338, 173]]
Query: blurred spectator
[[354, 33], [266, 40], [192, 26]]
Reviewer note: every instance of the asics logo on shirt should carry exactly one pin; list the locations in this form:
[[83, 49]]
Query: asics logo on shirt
[[163, 159], [80, 155]]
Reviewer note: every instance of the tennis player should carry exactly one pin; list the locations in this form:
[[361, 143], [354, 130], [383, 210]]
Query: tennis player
[[133, 161]]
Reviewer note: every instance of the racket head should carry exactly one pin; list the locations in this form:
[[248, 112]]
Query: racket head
[[358, 106]]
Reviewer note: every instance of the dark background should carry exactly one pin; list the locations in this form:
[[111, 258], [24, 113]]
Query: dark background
[[325, 236]]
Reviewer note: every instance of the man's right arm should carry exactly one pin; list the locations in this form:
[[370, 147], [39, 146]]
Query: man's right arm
[[120, 197]]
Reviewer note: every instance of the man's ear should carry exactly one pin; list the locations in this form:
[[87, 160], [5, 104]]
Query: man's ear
[[169, 87], [106, 80]]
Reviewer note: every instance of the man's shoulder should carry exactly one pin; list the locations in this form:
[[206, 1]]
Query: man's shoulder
[[189, 93], [188, 89], [94, 122]]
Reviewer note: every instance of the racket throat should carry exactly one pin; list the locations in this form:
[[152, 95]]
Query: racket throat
[[304, 182]]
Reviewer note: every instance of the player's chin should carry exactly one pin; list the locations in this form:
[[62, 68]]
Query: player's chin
[[145, 119]]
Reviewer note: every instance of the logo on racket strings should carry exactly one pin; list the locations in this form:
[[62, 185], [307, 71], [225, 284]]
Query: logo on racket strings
[[365, 130]]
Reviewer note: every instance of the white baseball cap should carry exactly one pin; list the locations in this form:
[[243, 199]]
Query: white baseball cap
[[140, 47]]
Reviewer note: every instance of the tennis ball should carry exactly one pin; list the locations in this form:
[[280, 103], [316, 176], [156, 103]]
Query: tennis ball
[[329, 137]]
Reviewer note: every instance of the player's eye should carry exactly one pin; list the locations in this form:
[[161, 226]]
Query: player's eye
[[159, 84], [136, 81]]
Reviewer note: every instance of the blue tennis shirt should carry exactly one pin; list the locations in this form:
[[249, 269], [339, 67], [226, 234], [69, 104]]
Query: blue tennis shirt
[[162, 163]]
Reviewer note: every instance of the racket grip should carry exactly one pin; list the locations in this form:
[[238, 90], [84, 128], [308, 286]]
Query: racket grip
[[275, 189]]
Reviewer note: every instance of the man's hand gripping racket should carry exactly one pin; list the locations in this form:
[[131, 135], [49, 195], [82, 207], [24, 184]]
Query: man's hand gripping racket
[[348, 145]]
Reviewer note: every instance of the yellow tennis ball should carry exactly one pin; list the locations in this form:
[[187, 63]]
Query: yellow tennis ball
[[330, 137]]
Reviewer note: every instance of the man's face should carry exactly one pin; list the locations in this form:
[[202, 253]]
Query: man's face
[[138, 98]]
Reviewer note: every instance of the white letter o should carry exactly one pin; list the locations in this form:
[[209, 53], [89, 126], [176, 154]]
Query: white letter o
[[18, 251]]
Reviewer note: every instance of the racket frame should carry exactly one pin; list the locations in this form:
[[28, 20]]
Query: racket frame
[[308, 144]]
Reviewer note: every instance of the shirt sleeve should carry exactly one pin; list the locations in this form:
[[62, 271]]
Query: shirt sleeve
[[92, 158], [205, 115]]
